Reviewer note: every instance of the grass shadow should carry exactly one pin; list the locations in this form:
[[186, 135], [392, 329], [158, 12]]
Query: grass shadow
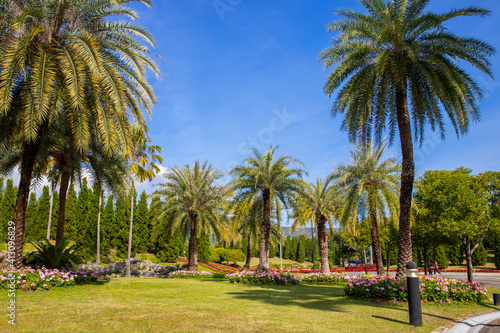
[[391, 319]]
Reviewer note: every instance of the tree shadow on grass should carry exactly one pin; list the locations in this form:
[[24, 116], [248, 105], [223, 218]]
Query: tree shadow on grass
[[318, 297]]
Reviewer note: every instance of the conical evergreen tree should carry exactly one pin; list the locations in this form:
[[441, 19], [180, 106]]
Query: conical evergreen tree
[[7, 208], [204, 248], [121, 227], [141, 225], [293, 248], [41, 220], [107, 223], [55, 214], [301, 253], [90, 231], [30, 224], [286, 250], [70, 214], [83, 207]]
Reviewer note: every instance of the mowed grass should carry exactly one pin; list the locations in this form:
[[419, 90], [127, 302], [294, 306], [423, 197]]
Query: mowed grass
[[178, 305]]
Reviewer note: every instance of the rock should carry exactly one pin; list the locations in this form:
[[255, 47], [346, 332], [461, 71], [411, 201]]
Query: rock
[[135, 273], [135, 263]]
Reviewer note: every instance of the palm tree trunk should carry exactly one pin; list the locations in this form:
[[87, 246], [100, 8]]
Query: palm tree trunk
[[323, 245], [27, 163], [246, 267], [407, 178], [265, 230], [193, 244], [98, 256], [61, 218], [377, 248], [129, 251], [50, 214]]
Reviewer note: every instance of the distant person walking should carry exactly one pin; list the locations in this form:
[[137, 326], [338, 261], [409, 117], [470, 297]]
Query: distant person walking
[[436, 268], [429, 268]]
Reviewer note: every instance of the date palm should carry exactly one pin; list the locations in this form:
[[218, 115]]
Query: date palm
[[71, 57], [398, 63], [371, 181], [317, 204], [192, 202], [142, 166], [270, 178]]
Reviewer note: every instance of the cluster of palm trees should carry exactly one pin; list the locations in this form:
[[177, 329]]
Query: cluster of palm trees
[[73, 88], [265, 187]]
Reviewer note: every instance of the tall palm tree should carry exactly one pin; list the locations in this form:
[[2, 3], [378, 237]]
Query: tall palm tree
[[395, 64], [192, 202], [71, 57], [317, 204], [371, 181], [142, 158], [269, 178]]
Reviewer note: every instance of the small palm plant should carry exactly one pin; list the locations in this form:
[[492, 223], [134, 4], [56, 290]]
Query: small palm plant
[[54, 257]]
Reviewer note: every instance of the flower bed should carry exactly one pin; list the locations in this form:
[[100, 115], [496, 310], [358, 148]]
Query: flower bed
[[331, 277], [361, 268], [191, 275], [263, 278], [44, 279], [432, 289]]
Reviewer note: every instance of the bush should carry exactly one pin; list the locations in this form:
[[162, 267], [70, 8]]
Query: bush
[[190, 275], [279, 278], [480, 256], [440, 257], [455, 254], [329, 277], [433, 289]]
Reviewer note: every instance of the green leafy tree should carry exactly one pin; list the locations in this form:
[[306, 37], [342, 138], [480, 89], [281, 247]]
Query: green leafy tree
[[71, 213], [456, 204], [42, 216], [263, 176], [142, 224], [73, 60], [287, 249], [193, 202], [316, 203], [371, 181], [398, 63]]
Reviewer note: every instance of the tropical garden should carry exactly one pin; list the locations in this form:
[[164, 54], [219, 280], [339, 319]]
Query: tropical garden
[[75, 95]]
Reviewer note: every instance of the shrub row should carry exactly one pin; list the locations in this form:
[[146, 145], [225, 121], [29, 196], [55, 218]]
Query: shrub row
[[280, 278]]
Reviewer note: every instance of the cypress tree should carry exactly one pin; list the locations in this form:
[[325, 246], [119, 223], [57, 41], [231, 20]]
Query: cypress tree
[[55, 214], [272, 250], [90, 224], [83, 205], [141, 231], [480, 256], [107, 217], [30, 225], [42, 216], [286, 250], [301, 253], [293, 249], [204, 248], [440, 257], [7, 208], [70, 215]]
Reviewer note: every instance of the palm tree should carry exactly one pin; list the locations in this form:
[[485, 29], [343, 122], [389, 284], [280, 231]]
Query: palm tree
[[370, 181], [247, 217], [194, 202], [317, 204], [72, 58], [398, 63], [142, 158], [268, 178]]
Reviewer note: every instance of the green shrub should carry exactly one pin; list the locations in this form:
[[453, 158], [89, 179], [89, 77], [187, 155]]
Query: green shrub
[[280, 278], [440, 257], [480, 256], [455, 254]]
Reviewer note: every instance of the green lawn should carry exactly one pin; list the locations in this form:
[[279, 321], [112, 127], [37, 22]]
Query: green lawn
[[177, 305]]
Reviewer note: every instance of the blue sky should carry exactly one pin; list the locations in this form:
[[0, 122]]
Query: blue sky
[[240, 73]]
